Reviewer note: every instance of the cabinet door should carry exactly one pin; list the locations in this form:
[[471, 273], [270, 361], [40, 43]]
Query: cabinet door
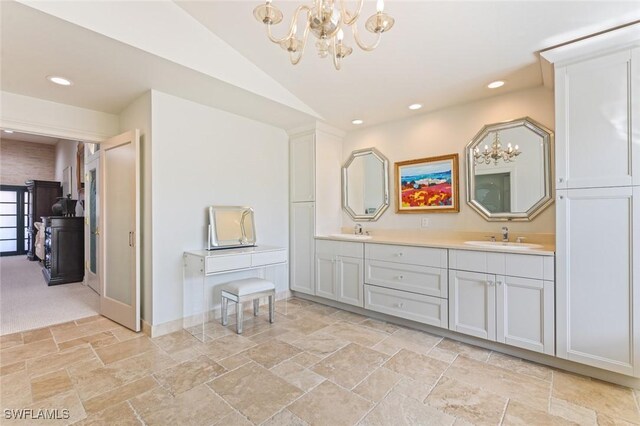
[[350, 280], [302, 249], [302, 168], [593, 122], [525, 316], [595, 285], [325, 275], [472, 304]]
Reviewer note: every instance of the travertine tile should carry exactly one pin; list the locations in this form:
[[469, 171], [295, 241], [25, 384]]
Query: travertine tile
[[413, 389], [226, 346], [123, 350], [10, 340], [285, 418], [380, 325], [36, 335], [59, 360], [442, 354], [297, 375], [320, 344], [397, 409], [388, 346], [98, 340], [123, 334], [15, 390], [197, 406], [376, 386], [354, 333], [604, 420], [121, 414], [119, 395], [23, 352], [51, 384], [67, 404], [520, 414], [189, 374], [306, 359], [233, 419], [520, 366], [516, 386], [572, 412], [83, 367], [605, 398], [13, 368], [234, 361], [348, 317], [245, 389], [413, 340], [66, 332], [473, 352], [350, 365], [88, 319], [321, 309], [471, 403], [94, 382], [416, 366], [329, 404], [306, 324], [269, 334], [138, 366], [271, 353]]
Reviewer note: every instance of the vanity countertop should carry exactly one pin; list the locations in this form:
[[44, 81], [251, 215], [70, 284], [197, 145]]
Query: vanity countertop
[[421, 239]]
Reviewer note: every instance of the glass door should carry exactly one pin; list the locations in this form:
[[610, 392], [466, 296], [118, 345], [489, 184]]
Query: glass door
[[14, 208]]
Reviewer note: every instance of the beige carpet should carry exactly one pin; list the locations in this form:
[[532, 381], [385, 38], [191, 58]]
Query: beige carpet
[[26, 302]]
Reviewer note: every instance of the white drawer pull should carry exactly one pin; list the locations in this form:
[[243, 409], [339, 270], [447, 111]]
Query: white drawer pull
[[400, 254], [399, 305], [499, 282], [400, 277]]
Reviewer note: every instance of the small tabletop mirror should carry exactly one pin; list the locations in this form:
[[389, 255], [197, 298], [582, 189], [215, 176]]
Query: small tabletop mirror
[[365, 184], [509, 170], [231, 226]]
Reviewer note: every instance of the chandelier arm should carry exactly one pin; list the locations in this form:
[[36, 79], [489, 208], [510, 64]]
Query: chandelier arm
[[359, 42], [336, 60], [294, 21], [349, 19], [295, 61]]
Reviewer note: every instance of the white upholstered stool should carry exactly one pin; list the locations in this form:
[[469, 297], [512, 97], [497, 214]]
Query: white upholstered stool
[[240, 291]]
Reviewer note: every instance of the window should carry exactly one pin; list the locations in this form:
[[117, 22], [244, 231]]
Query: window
[[14, 221]]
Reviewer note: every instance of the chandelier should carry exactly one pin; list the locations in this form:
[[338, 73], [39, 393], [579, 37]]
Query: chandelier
[[496, 152], [325, 19]]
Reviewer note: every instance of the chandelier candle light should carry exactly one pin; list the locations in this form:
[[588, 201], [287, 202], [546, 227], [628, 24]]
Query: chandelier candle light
[[325, 19], [496, 152]]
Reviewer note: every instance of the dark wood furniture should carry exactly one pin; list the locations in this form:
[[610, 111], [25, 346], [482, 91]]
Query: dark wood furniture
[[42, 195], [63, 249]]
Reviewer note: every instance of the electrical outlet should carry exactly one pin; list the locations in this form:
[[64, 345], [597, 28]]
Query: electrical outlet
[[424, 222]]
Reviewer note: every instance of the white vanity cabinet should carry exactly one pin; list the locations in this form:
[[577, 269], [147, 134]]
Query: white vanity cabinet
[[339, 271], [515, 309], [302, 247], [407, 282]]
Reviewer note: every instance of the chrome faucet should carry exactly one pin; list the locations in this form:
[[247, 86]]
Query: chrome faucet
[[505, 234], [357, 229]]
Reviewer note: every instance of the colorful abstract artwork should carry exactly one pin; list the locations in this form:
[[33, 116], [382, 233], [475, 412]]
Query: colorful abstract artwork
[[427, 185]]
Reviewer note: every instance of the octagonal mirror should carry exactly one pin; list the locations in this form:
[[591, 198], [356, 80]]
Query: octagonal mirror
[[365, 185], [509, 170]]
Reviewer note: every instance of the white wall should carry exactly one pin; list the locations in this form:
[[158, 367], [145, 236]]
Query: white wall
[[445, 132], [138, 116], [203, 156]]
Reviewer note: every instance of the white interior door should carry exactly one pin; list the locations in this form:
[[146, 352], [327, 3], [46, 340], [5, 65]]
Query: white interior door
[[91, 223], [119, 268]]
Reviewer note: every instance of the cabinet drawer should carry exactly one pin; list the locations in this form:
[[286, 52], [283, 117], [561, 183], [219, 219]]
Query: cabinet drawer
[[268, 258], [340, 248], [411, 306], [477, 261], [524, 265], [416, 279], [226, 263], [423, 256]]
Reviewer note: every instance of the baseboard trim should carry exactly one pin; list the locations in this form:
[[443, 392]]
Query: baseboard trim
[[544, 359], [158, 330]]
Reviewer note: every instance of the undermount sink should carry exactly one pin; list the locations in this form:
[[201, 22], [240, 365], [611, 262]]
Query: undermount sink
[[351, 236], [502, 244]]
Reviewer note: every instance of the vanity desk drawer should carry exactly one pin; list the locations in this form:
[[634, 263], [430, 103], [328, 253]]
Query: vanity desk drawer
[[423, 256], [515, 265], [413, 278], [227, 263], [411, 306], [268, 258]]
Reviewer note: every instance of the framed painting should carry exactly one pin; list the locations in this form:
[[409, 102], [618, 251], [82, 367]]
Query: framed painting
[[428, 185]]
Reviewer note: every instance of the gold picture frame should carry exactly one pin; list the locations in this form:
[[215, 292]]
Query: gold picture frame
[[428, 185]]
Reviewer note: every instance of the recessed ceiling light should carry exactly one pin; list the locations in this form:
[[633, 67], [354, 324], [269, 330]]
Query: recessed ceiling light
[[495, 84], [357, 121], [415, 106], [59, 80], [8, 131]]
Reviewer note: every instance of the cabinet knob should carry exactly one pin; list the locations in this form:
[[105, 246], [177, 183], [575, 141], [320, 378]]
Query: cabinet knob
[[560, 180], [400, 277], [499, 282], [490, 283], [400, 305], [400, 254], [562, 197]]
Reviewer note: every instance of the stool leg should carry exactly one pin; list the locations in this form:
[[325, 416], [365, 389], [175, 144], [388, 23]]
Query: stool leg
[[272, 306], [239, 318], [225, 308], [256, 307]]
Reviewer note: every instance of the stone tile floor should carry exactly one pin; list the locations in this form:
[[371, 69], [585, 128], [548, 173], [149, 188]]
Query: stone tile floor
[[316, 365]]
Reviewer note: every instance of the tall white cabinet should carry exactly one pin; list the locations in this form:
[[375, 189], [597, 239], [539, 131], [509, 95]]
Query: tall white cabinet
[[598, 202], [315, 161]]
